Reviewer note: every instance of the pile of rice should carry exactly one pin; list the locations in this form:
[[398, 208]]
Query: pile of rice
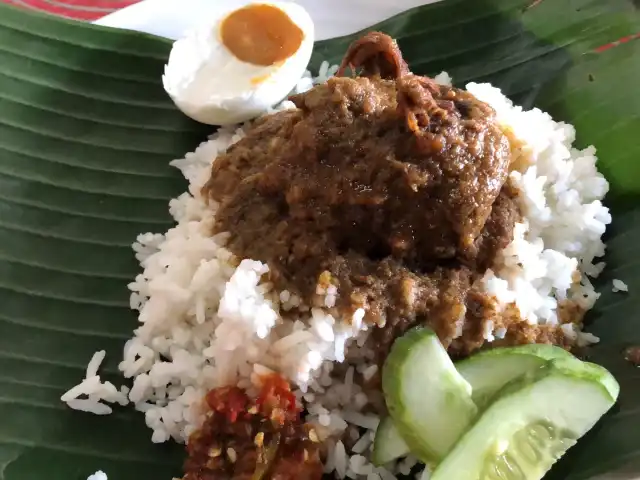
[[209, 319]]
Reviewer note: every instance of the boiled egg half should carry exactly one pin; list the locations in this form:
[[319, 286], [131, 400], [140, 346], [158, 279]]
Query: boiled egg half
[[238, 65]]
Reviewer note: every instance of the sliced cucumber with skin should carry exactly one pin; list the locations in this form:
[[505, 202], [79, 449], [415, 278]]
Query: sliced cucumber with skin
[[490, 370], [388, 444], [487, 372], [531, 423], [428, 400]]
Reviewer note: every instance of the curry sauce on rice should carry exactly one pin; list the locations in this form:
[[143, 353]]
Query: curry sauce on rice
[[389, 188], [315, 236]]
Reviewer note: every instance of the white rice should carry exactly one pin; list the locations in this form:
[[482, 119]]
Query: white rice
[[208, 319], [99, 475], [619, 286], [561, 198], [94, 364]]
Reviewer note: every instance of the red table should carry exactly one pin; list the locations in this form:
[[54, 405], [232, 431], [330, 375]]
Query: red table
[[79, 9], [94, 9]]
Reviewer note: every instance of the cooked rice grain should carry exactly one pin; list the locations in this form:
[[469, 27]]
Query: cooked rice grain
[[619, 286]]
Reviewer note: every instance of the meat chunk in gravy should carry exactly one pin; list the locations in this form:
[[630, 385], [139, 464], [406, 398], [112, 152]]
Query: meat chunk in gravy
[[351, 165], [389, 186]]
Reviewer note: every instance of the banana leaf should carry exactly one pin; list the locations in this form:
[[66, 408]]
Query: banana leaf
[[86, 134]]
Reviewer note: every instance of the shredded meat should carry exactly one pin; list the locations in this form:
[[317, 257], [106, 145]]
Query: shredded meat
[[376, 54]]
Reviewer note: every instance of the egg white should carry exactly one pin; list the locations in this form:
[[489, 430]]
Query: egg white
[[211, 85]]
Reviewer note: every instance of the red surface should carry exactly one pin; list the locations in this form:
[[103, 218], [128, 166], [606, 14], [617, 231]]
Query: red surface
[[78, 9], [615, 44], [94, 9]]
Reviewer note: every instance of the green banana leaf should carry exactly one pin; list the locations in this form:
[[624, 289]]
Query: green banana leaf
[[86, 134]]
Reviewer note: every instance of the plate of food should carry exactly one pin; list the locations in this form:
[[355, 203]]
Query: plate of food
[[278, 240]]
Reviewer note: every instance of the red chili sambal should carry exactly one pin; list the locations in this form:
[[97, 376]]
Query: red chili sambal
[[253, 439]]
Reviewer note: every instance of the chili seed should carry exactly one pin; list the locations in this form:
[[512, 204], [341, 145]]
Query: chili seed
[[233, 456]]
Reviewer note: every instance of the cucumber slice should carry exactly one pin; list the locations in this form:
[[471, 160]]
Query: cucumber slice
[[532, 423], [428, 400], [490, 370], [487, 372], [388, 444]]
